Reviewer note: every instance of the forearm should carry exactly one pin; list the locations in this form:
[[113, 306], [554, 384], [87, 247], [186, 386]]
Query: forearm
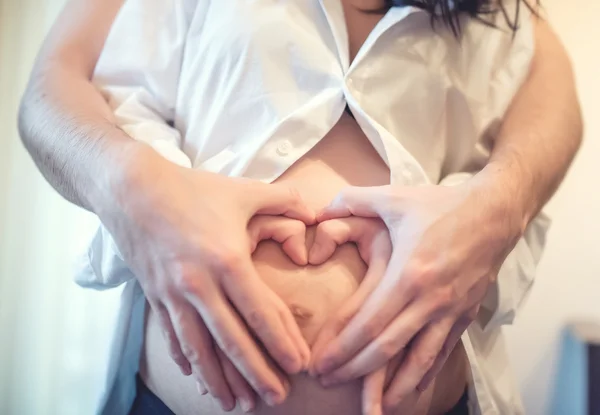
[[68, 129], [64, 121], [540, 135]]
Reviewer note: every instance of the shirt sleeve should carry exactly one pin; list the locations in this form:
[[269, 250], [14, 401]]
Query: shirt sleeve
[[139, 69], [138, 73], [485, 74], [493, 63], [516, 276]]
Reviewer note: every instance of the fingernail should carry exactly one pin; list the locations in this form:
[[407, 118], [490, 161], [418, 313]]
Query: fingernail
[[246, 404], [324, 367], [225, 405], [422, 387], [201, 389], [186, 370], [272, 399], [327, 381]]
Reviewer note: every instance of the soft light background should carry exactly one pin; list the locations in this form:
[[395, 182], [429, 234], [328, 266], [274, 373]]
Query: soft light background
[[54, 335]]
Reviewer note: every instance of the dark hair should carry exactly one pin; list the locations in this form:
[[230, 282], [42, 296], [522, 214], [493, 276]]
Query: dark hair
[[448, 11]]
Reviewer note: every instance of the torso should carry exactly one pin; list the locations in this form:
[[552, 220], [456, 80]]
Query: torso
[[344, 157]]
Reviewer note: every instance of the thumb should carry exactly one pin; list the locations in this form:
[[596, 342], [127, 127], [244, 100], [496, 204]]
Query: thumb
[[290, 233], [358, 201], [278, 199]]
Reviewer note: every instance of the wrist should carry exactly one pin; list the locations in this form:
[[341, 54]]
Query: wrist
[[125, 167], [505, 196]]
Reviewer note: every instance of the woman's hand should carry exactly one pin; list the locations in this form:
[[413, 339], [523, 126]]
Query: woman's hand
[[183, 234], [291, 234], [448, 245]]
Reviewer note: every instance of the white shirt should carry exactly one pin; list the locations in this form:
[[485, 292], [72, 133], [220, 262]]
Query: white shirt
[[251, 86]]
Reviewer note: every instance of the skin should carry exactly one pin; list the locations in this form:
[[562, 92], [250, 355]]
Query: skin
[[449, 243], [70, 132]]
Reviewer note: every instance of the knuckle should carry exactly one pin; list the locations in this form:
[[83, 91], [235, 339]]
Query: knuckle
[[446, 297], [194, 355], [227, 261], [256, 319], [372, 330], [185, 278], [421, 276], [388, 349], [424, 359], [232, 350]]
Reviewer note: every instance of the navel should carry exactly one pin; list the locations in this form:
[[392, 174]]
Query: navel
[[301, 314]]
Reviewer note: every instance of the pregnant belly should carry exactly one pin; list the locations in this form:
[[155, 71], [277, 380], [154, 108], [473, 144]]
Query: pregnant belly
[[344, 157]]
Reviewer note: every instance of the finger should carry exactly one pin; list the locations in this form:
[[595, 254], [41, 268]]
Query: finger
[[392, 368], [409, 404], [372, 393], [406, 406], [385, 346], [358, 201], [328, 236], [333, 233], [419, 360], [290, 233], [242, 391], [455, 334], [197, 346], [254, 301], [278, 199], [232, 337], [201, 388], [172, 340], [379, 309]]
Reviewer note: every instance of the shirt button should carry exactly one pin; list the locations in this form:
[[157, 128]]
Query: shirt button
[[407, 175], [350, 82], [283, 148]]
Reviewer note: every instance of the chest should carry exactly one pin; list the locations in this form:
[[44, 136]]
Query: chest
[[288, 29], [360, 18]]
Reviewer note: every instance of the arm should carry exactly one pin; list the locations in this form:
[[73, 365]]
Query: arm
[[540, 136], [64, 122], [450, 242], [529, 159]]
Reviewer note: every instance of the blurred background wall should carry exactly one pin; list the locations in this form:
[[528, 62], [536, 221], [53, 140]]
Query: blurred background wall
[[568, 281], [54, 336]]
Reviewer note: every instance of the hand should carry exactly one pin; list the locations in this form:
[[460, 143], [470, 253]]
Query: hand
[[448, 245], [374, 246], [291, 234], [183, 234]]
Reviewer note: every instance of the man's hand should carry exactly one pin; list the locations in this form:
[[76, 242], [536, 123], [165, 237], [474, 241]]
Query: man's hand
[[183, 233], [448, 245]]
